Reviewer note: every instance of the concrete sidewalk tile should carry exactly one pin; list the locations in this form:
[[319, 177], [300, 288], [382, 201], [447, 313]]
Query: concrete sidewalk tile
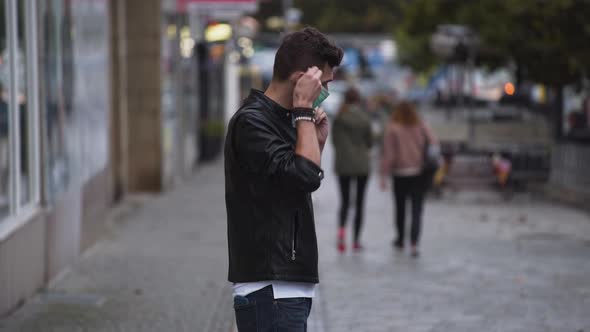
[[163, 268]]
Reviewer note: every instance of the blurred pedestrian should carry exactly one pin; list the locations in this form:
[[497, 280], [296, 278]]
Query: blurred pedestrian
[[408, 148], [272, 165], [352, 138]]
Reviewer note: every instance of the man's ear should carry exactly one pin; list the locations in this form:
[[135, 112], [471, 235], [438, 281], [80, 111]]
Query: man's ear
[[294, 78]]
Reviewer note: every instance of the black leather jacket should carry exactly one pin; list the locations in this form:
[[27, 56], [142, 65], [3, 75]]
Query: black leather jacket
[[270, 222]]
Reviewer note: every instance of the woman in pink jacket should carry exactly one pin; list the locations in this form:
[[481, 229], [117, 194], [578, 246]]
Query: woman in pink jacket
[[405, 142]]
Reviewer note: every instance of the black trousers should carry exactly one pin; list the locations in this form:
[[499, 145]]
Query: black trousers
[[412, 188], [361, 186]]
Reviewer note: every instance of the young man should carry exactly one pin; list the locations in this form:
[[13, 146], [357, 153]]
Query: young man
[[272, 165]]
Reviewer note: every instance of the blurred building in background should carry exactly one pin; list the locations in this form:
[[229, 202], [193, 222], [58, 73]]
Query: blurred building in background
[[99, 99]]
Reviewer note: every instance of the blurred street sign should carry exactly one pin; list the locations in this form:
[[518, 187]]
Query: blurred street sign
[[218, 7], [223, 10]]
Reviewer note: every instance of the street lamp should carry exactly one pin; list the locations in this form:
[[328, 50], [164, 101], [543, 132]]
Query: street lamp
[[448, 40]]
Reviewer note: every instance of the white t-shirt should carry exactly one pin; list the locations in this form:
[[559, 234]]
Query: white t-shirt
[[281, 289]]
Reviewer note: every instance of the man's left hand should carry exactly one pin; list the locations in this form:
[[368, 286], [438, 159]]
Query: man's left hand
[[322, 126]]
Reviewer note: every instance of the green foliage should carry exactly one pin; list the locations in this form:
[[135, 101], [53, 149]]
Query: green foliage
[[353, 16], [412, 34], [350, 16], [548, 40]]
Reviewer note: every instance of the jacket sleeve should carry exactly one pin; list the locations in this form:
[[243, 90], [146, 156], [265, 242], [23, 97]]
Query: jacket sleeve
[[262, 151]]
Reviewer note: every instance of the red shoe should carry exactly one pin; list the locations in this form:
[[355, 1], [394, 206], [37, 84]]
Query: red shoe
[[357, 247], [341, 247], [341, 241]]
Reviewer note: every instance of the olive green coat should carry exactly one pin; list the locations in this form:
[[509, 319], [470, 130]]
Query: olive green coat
[[352, 138]]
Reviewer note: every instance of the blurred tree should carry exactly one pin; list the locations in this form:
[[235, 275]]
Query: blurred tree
[[413, 33], [547, 41], [377, 16]]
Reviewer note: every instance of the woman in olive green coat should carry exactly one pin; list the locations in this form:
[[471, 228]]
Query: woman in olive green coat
[[352, 138]]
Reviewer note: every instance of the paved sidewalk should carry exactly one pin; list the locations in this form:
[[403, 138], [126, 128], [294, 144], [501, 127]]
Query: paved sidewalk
[[161, 268], [486, 265]]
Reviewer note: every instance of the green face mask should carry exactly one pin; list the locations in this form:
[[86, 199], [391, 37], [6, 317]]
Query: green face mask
[[323, 95]]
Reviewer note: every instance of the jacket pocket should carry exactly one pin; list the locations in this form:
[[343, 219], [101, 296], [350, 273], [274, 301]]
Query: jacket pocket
[[294, 234]]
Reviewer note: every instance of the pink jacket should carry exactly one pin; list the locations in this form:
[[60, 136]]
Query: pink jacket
[[403, 148]]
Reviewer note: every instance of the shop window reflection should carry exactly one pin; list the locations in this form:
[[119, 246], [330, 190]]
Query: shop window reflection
[[4, 120], [56, 61], [74, 60], [4, 147], [24, 113]]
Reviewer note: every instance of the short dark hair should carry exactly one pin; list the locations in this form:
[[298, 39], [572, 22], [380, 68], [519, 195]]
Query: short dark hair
[[303, 49]]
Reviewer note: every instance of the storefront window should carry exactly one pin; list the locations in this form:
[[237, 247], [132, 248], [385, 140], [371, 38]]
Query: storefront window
[[4, 119], [56, 59], [23, 107], [170, 96], [179, 95], [90, 64], [211, 79], [18, 111], [75, 100]]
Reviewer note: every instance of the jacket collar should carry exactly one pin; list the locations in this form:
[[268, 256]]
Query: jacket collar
[[269, 104]]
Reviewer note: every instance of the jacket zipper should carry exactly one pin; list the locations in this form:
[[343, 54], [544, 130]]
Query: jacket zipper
[[293, 238]]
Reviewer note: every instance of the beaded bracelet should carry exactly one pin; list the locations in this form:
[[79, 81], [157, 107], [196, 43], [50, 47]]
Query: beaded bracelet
[[304, 118]]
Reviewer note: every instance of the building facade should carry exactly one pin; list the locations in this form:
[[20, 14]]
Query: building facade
[[98, 99]]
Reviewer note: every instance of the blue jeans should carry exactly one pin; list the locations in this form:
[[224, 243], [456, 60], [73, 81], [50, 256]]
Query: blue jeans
[[260, 312]]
